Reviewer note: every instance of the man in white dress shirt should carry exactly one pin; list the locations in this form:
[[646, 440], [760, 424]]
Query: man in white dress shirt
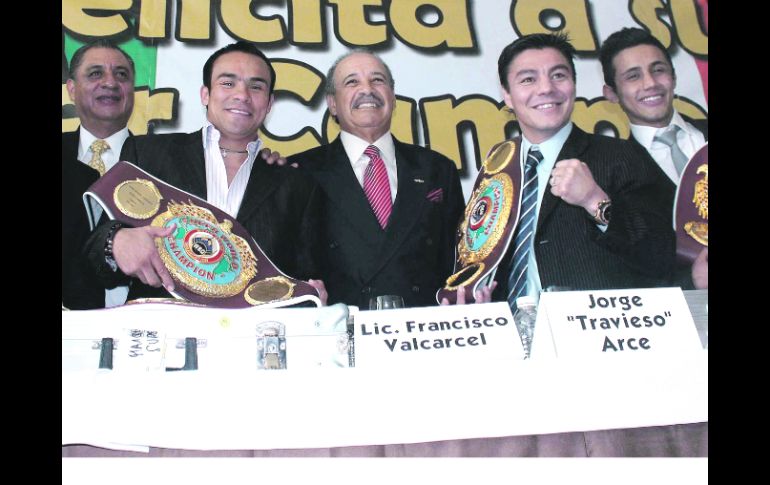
[[639, 75], [276, 205]]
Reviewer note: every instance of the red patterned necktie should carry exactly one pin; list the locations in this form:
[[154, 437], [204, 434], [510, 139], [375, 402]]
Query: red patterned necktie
[[376, 186]]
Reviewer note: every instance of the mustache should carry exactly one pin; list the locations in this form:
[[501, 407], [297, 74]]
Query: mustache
[[368, 98]]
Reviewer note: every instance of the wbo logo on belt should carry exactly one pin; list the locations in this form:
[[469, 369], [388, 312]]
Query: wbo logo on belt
[[204, 254]]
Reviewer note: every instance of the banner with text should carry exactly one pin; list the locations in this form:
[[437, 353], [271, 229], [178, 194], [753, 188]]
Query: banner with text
[[443, 55]]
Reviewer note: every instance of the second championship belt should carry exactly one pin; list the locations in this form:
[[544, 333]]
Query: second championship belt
[[490, 220], [213, 260], [691, 211]]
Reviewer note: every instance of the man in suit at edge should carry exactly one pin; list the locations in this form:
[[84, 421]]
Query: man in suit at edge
[[407, 247], [601, 221], [101, 85], [277, 205], [79, 288], [639, 74]]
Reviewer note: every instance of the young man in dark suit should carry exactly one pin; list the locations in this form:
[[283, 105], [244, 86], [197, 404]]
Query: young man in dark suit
[[639, 75], [276, 205], [601, 220], [389, 209]]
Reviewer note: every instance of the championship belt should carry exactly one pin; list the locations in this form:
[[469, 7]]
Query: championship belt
[[213, 260], [691, 212], [490, 219]]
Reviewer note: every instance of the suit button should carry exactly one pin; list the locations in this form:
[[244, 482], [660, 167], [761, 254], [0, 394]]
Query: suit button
[[334, 245], [429, 242], [415, 289], [366, 290]]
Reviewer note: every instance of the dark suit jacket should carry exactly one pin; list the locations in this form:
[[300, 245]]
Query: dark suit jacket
[[79, 287], [414, 255], [636, 250], [279, 208], [69, 145], [682, 275]]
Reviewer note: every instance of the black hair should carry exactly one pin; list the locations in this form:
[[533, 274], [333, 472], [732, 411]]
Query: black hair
[[77, 57], [624, 39], [558, 41], [240, 46]]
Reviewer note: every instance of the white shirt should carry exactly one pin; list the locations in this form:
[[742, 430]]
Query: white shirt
[[217, 191], [110, 156], [354, 148], [689, 139], [550, 150]]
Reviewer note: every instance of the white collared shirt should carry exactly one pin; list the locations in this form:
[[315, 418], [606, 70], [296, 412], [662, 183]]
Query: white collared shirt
[[354, 148], [689, 139], [217, 191], [110, 156]]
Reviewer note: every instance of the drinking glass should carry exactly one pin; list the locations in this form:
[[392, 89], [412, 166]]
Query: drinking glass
[[386, 302]]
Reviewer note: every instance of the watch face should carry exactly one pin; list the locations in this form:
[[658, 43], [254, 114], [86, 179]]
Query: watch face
[[607, 212]]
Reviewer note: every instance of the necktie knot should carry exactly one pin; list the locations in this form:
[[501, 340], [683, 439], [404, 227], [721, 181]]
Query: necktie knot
[[668, 138], [97, 147], [668, 135], [372, 151], [534, 157]]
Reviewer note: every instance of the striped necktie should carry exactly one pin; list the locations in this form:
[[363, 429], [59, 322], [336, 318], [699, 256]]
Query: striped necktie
[[97, 147], [668, 137], [517, 280], [376, 185]]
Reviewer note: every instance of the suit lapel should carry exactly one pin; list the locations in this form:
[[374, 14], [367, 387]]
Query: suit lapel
[[336, 177], [70, 142], [261, 184], [576, 144], [191, 164]]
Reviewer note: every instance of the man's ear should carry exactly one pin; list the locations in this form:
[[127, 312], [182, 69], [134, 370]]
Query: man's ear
[[331, 104], [71, 89], [609, 93]]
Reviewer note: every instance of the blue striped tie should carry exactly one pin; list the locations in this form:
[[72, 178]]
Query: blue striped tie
[[517, 280]]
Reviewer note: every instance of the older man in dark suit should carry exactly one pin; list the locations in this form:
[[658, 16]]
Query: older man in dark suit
[[389, 209], [600, 215], [100, 83], [276, 205]]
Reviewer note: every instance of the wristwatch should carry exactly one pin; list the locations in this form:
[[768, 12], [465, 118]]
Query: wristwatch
[[603, 212], [109, 258]]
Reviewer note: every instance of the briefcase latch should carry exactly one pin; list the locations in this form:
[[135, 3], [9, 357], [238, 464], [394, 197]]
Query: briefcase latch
[[271, 345]]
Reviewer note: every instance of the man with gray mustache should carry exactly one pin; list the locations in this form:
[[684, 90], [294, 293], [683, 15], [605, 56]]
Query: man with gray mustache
[[390, 209]]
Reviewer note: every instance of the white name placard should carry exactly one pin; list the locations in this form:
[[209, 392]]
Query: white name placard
[[436, 336], [616, 322]]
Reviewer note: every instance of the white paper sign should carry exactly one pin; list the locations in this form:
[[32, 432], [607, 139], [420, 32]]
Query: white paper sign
[[141, 350], [431, 336], [618, 322]]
